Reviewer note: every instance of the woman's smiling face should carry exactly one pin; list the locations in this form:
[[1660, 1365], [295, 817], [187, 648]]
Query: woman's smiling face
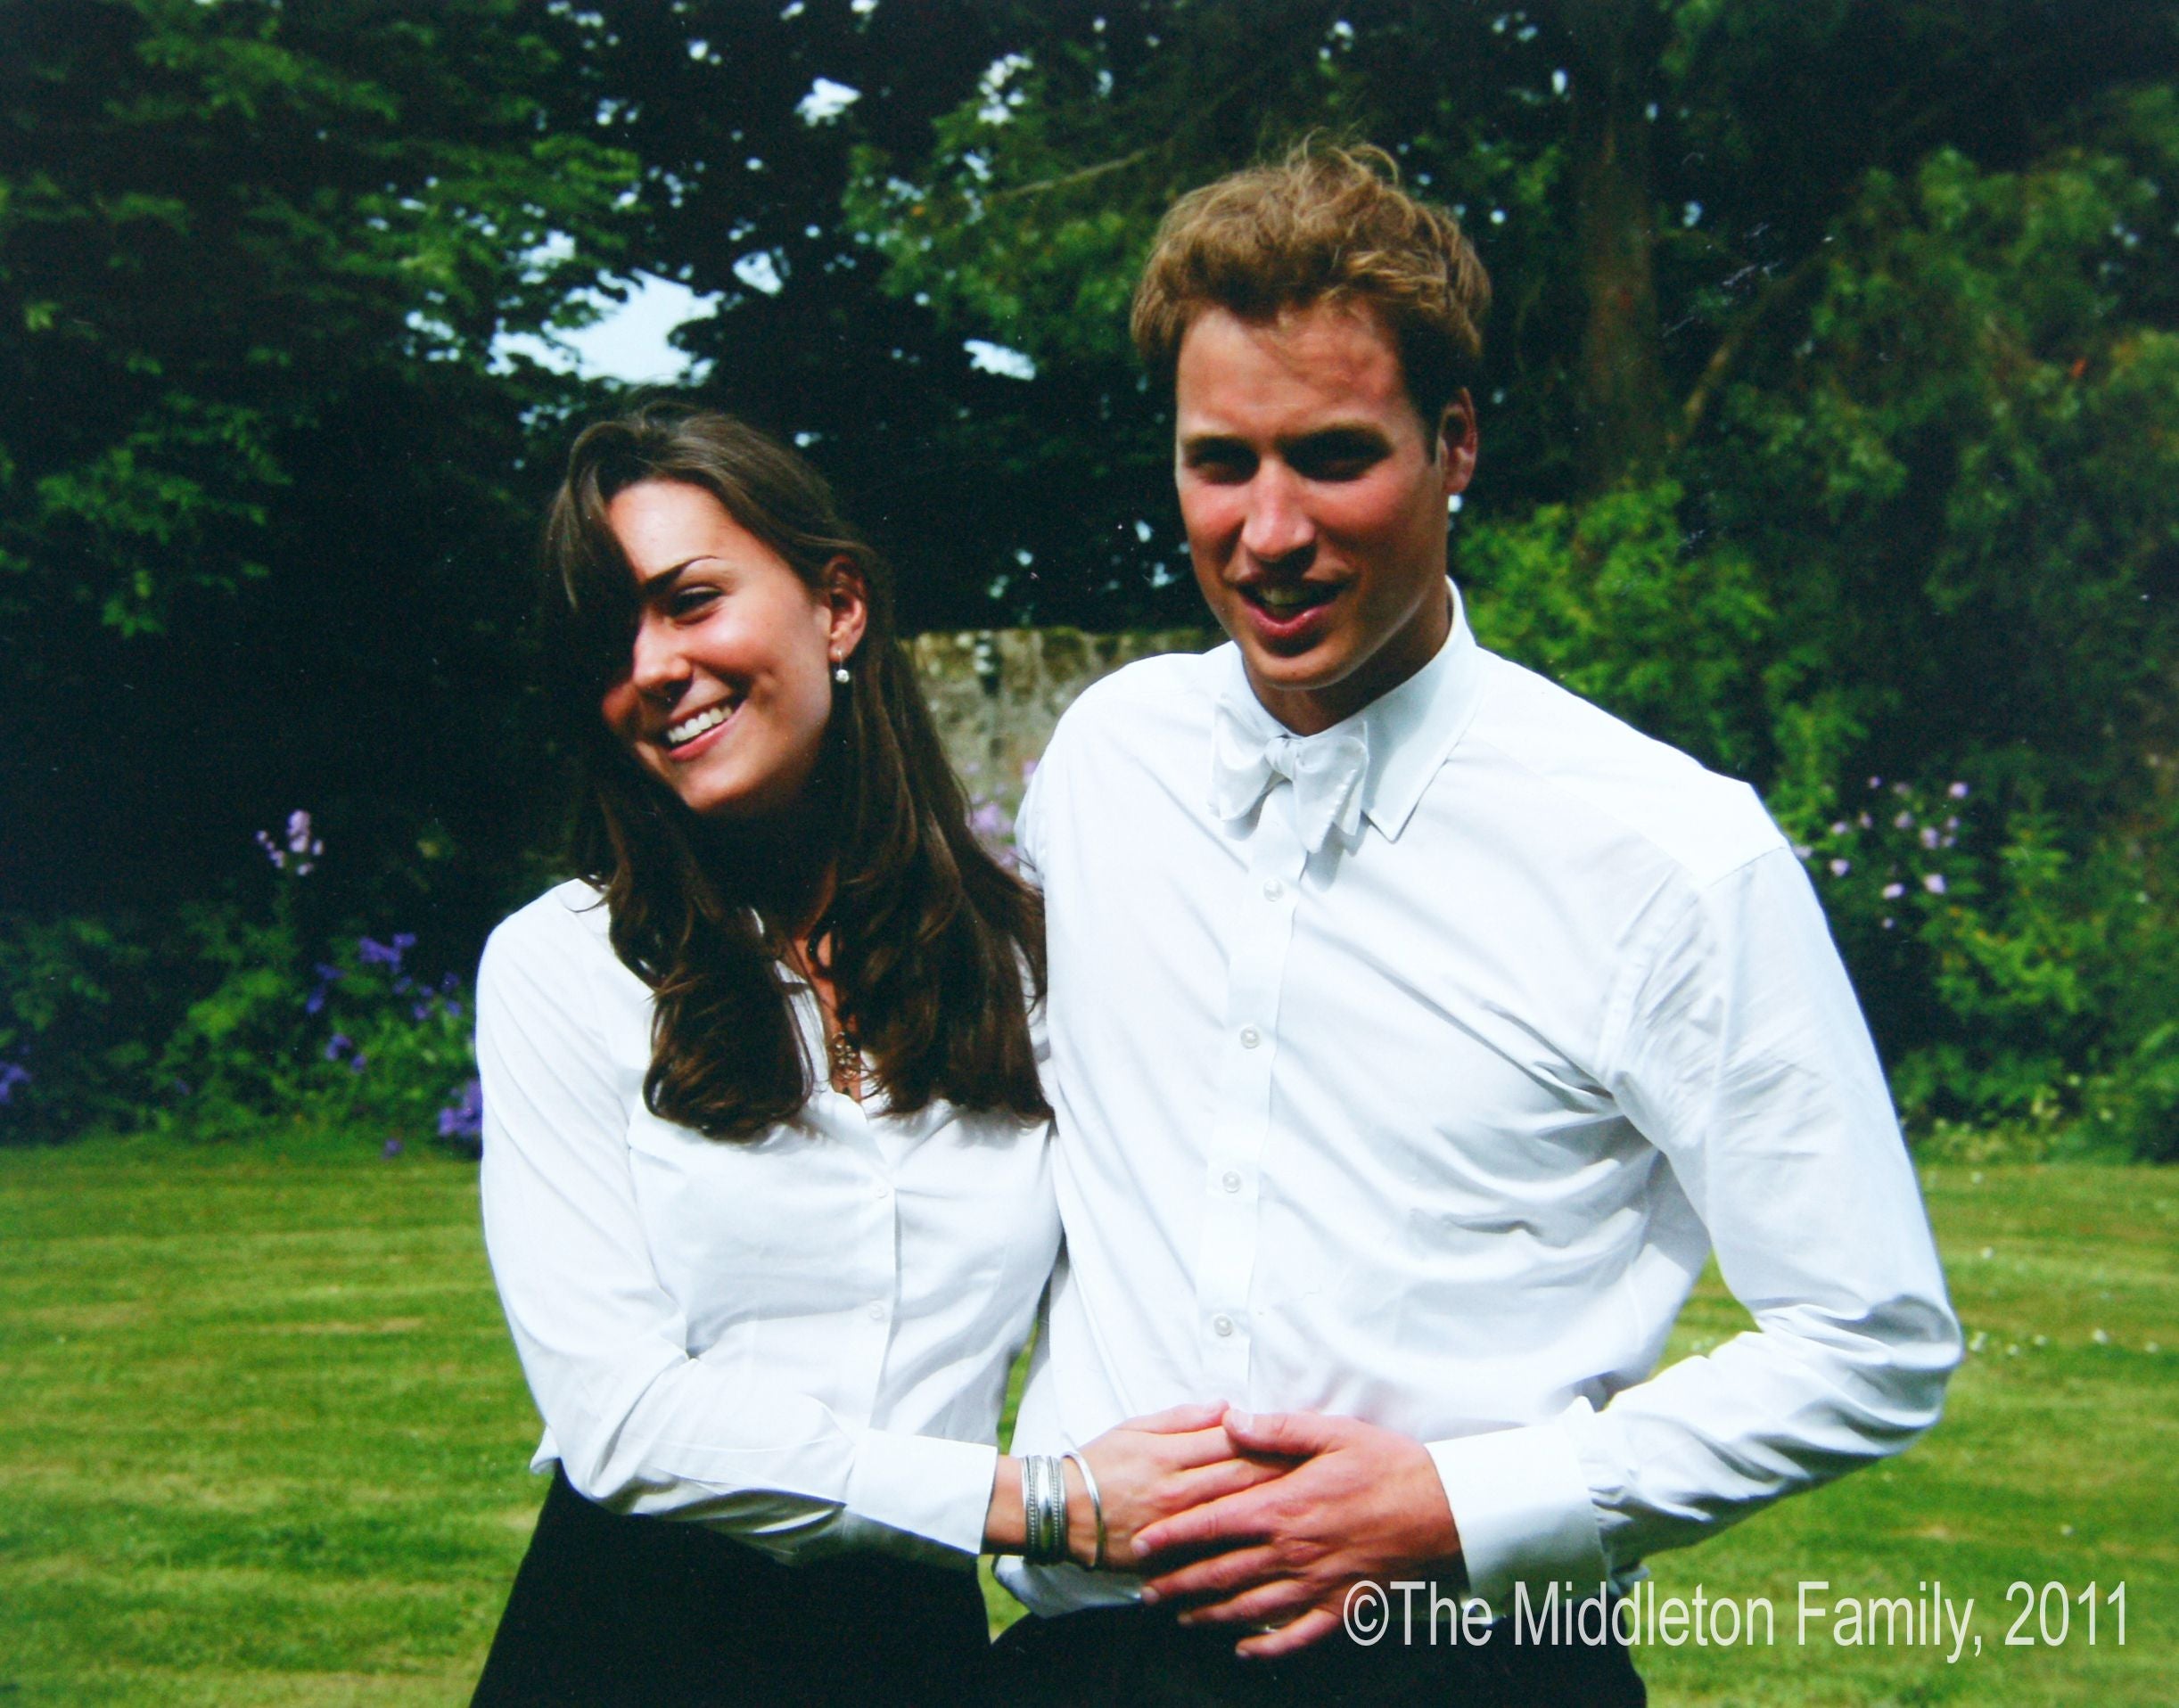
[[728, 686]]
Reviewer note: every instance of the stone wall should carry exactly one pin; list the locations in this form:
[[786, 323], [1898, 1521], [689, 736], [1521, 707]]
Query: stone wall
[[995, 693]]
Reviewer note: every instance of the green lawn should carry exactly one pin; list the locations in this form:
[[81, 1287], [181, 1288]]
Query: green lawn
[[262, 1438]]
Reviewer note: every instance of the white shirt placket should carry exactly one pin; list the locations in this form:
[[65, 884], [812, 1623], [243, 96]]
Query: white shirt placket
[[1226, 1262]]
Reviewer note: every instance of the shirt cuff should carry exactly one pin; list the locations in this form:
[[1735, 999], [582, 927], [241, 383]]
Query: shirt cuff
[[925, 1485], [1523, 1510]]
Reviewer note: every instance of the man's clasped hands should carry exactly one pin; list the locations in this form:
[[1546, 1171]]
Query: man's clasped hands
[[1265, 1519]]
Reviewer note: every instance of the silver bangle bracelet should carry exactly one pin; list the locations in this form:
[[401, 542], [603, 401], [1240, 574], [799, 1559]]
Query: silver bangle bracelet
[[1096, 1506], [1055, 1512], [1044, 1511]]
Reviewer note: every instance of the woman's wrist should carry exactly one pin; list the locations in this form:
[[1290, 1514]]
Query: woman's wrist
[[1003, 1523]]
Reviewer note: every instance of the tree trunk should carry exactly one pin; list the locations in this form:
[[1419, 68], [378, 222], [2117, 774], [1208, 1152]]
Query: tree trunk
[[1621, 378]]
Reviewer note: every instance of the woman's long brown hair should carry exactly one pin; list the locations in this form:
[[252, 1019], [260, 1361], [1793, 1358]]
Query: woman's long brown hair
[[929, 936]]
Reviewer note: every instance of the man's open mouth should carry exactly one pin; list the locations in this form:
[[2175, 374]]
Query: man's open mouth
[[1283, 599]]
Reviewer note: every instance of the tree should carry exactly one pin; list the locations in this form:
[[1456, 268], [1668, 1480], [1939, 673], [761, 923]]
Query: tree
[[265, 510]]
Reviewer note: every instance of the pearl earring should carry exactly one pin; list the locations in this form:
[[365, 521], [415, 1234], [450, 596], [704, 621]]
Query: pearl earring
[[839, 672]]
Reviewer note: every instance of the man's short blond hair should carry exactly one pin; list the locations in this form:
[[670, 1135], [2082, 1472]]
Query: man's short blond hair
[[1326, 225]]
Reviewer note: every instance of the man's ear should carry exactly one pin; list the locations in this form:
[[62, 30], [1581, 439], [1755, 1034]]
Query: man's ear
[[846, 598], [1456, 442]]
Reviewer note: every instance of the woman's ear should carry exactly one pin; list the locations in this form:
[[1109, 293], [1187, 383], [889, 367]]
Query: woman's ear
[[846, 597]]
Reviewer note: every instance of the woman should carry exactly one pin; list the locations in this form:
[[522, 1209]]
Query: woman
[[764, 1178]]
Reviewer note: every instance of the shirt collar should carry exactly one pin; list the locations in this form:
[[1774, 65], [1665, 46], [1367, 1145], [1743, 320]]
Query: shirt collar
[[1411, 730]]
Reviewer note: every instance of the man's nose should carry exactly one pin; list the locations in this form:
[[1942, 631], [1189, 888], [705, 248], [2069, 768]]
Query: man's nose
[[1278, 525]]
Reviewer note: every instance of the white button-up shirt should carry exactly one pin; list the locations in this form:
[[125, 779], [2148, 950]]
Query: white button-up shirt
[[1434, 1126], [802, 1339]]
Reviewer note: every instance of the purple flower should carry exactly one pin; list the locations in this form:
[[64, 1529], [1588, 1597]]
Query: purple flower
[[338, 1046], [1905, 821], [272, 851], [450, 983], [1958, 791], [1876, 782], [356, 1066], [1928, 836], [373, 953], [1886, 922], [327, 977], [454, 1010], [1839, 868], [1801, 850], [422, 1011], [404, 940], [1893, 891], [464, 1118], [12, 1074], [392, 1149], [1841, 828], [1933, 883]]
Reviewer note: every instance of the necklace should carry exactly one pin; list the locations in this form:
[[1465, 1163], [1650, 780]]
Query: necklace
[[843, 1055], [845, 1062]]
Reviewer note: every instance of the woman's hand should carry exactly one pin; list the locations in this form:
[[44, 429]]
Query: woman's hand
[[1149, 1468]]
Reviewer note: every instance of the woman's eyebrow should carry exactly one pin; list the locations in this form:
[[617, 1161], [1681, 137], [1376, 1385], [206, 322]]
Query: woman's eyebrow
[[651, 587]]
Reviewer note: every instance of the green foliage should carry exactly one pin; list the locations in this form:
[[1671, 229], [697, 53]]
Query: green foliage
[[1612, 600], [239, 1048], [72, 1053], [236, 1016], [398, 1049], [378, 188]]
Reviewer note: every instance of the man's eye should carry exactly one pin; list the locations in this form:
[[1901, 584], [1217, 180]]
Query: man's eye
[[1219, 466], [1340, 463]]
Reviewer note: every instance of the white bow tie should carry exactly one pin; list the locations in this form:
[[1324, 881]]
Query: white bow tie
[[1327, 774]]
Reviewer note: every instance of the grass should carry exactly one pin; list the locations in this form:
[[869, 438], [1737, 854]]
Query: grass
[[264, 1442]]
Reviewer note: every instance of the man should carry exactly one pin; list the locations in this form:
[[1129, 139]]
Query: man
[[1416, 1031]]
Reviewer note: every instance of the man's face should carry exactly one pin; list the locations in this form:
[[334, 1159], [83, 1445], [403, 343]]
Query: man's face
[[1315, 500]]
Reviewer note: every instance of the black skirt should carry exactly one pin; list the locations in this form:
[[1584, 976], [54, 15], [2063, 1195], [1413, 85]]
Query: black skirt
[[651, 1613]]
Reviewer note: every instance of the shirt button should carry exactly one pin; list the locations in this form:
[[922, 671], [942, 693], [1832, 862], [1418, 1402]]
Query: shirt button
[[1221, 1325], [1230, 1180], [1250, 1038], [1274, 889], [877, 1313], [880, 1192]]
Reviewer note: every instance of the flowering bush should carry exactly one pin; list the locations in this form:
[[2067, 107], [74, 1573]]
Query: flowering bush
[[232, 1016], [396, 1052], [2004, 971]]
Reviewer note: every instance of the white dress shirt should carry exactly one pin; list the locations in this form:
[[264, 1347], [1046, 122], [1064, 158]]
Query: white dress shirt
[[802, 1339], [1435, 1125]]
